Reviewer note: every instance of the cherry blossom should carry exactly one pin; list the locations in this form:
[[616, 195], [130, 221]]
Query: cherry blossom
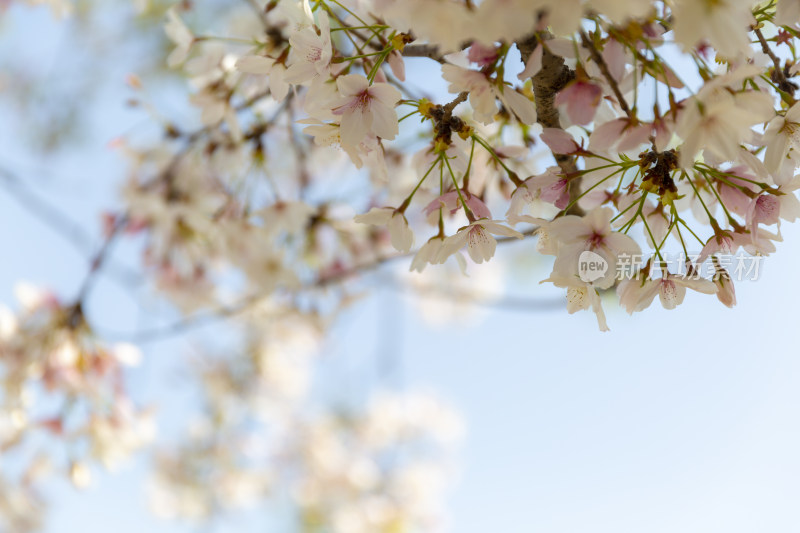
[[636, 294], [180, 35], [782, 137], [483, 92], [366, 109], [723, 23], [580, 99], [312, 53], [581, 296], [401, 235], [593, 233], [478, 237], [726, 293]]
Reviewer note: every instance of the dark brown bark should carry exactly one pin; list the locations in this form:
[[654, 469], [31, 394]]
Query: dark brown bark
[[553, 77]]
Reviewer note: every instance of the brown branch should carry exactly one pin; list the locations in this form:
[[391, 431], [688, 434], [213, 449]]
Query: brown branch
[[601, 63], [462, 97], [778, 75], [553, 76], [423, 50]]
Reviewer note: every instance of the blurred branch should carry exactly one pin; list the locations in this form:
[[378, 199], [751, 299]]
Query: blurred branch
[[62, 224], [423, 50], [208, 317]]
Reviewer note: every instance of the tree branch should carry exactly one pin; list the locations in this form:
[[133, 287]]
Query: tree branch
[[601, 63], [64, 225], [423, 50], [208, 317], [553, 76], [778, 75]]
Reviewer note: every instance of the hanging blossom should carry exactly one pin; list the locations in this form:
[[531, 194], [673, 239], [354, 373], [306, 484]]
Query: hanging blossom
[[636, 294], [479, 239], [401, 235]]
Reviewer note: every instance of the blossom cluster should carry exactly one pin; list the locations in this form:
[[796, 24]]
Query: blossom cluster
[[60, 383], [638, 146], [379, 466]]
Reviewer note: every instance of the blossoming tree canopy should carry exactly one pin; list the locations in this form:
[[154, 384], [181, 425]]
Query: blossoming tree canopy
[[654, 116], [648, 146]]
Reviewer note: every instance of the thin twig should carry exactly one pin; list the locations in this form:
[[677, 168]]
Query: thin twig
[[423, 50], [448, 108], [65, 226], [779, 76], [601, 63], [229, 311]]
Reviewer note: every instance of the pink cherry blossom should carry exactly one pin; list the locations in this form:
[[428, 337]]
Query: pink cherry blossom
[[312, 53], [478, 237], [481, 54], [559, 141], [451, 203], [636, 294], [726, 293], [593, 233], [580, 98], [366, 109], [400, 234], [620, 134]]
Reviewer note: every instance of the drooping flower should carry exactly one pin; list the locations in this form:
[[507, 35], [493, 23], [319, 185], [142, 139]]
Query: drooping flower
[[479, 239], [580, 296], [431, 253], [637, 293], [400, 234], [781, 138], [726, 293], [179, 34]]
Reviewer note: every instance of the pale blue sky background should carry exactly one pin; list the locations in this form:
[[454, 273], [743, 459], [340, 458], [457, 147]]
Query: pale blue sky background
[[675, 421]]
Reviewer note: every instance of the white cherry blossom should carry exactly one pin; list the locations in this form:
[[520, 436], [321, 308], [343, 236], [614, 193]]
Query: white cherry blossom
[[366, 109]]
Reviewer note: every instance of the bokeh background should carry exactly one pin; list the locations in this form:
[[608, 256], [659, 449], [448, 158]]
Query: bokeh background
[[685, 420]]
